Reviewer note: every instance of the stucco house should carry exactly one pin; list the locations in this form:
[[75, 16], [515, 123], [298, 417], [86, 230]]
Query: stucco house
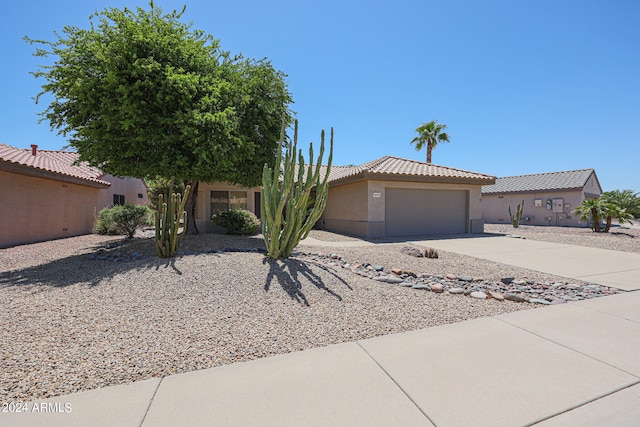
[[549, 198], [386, 197], [45, 195]]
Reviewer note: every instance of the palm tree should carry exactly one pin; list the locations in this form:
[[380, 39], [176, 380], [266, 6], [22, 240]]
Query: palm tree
[[613, 211], [430, 134], [626, 199], [596, 210], [591, 210]]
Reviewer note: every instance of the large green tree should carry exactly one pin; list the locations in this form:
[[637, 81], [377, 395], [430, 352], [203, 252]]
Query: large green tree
[[429, 135], [139, 93]]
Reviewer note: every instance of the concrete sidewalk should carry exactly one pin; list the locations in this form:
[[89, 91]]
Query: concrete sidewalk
[[610, 268], [570, 364]]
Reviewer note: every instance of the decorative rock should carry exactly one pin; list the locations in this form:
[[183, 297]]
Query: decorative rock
[[518, 282], [496, 295], [506, 280], [514, 297], [558, 301], [388, 279], [479, 295], [437, 288], [422, 286], [451, 277], [378, 268], [539, 301], [465, 278], [456, 291], [396, 271], [411, 251], [407, 284]]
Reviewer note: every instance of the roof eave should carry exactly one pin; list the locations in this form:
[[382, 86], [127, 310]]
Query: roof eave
[[20, 169], [364, 176], [549, 190]]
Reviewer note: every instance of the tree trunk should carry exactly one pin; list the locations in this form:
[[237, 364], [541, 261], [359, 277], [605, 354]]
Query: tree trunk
[[595, 217], [608, 224], [429, 148], [190, 207]]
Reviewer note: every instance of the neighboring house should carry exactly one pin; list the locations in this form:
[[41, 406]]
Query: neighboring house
[[45, 195], [387, 197], [549, 198]]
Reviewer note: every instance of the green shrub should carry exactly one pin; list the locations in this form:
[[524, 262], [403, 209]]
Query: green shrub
[[104, 222], [122, 219], [236, 221]]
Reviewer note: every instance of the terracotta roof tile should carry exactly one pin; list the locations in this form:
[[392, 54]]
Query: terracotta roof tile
[[565, 180], [57, 162]]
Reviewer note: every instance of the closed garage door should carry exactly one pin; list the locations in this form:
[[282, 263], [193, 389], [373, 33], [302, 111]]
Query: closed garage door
[[410, 211]]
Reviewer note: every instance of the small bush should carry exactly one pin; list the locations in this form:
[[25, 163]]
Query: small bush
[[122, 219], [236, 221], [104, 222]]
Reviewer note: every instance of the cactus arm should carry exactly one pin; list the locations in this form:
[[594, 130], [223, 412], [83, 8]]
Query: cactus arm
[[288, 211]]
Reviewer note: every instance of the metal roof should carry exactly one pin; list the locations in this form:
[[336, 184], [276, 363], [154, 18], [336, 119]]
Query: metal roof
[[551, 181]]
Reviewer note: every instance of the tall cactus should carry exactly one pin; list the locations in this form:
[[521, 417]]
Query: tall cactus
[[288, 208], [168, 218], [515, 219]]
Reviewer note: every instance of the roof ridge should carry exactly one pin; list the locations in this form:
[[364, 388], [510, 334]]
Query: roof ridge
[[547, 173], [437, 165]]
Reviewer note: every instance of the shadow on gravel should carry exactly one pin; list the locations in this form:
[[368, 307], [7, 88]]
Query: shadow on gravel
[[424, 237], [288, 272], [84, 269]]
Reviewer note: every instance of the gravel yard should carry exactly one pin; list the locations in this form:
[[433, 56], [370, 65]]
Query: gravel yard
[[625, 239], [73, 323]]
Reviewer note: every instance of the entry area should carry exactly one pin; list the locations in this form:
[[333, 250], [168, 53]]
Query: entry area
[[416, 211]]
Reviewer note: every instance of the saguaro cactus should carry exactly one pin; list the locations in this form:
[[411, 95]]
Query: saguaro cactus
[[515, 219], [289, 209], [168, 218]]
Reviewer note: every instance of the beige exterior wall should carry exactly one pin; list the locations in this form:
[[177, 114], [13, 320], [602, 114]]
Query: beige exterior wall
[[203, 203], [347, 210], [353, 209], [35, 209], [496, 208], [128, 187]]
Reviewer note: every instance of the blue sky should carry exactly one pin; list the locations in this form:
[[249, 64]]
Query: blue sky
[[524, 86]]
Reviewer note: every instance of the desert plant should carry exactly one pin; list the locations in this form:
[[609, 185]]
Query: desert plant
[[626, 199], [164, 186], [236, 221], [168, 218], [431, 253], [429, 135], [591, 211], [613, 211], [122, 219], [595, 211], [104, 222], [515, 219], [289, 210]]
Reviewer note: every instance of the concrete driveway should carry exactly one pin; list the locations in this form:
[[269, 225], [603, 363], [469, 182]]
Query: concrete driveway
[[610, 268]]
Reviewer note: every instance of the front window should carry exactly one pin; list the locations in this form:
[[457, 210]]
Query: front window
[[225, 200]]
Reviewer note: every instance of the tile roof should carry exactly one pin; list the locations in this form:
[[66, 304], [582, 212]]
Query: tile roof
[[56, 162], [404, 168], [552, 181]]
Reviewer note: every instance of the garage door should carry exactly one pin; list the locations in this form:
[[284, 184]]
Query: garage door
[[409, 211]]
